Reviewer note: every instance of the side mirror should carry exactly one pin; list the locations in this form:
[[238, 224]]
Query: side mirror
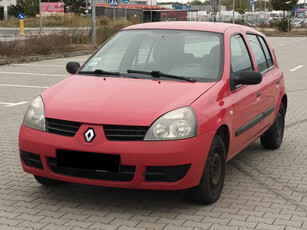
[[72, 67], [248, 78]]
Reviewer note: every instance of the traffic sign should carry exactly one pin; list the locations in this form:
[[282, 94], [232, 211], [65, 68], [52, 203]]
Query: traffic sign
[[21, 16], [252, 3], [126, 1], [113, 2], [188, 6]]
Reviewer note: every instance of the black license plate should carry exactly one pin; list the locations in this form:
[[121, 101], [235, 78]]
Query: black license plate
[[87, 160]]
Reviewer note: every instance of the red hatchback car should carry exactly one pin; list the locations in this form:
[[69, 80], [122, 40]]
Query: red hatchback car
[[159, 106]]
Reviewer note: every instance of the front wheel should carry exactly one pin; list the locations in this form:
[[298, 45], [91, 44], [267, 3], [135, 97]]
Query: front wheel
[[210, 187], [272, 138]]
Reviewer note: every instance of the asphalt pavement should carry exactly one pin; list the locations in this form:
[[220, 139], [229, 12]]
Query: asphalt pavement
[[263, 189]]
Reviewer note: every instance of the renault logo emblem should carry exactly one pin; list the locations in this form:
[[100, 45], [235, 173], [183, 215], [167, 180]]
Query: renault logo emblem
[[89, 135]]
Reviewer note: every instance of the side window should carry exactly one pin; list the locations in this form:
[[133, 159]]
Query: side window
[[258, 52], [240, 59], [267, 52]]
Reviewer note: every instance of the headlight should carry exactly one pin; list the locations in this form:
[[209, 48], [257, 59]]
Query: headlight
[[177, 124], [35, 115]]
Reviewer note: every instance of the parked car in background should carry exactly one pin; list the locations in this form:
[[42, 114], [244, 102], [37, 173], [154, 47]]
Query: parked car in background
[[298, 22], [250, 22], [158, 106], [257, 22], [263, 21]]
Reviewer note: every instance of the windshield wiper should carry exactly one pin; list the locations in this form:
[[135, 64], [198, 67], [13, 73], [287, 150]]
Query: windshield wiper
[[158, 74], [100, 71]]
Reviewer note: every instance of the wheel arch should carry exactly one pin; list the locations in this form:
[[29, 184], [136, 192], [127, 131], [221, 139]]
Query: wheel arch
[[223, 132], [284, 101]]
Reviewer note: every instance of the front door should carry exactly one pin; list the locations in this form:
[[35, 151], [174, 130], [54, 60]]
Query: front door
[[245, 98]]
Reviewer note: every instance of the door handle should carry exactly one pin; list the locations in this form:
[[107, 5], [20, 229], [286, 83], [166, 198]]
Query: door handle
[[258, 94]]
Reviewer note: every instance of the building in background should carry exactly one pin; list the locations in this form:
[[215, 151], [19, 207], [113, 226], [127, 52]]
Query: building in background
[[131, 2], [300, 11], [4, 5], [141, 10]]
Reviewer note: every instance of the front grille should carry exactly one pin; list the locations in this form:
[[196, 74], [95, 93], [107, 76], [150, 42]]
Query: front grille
[[166, 173], [31, 159], [91, 165], [65, 128], [124, 132]]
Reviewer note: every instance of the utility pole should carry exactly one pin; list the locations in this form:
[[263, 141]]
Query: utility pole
[[94, 22], [40, 16]]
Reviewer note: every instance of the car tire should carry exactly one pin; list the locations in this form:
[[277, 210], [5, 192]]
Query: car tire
[[210, 187], [272, 138], [48, 181]]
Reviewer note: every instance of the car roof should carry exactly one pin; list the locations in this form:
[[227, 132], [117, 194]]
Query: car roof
[[188, 25]]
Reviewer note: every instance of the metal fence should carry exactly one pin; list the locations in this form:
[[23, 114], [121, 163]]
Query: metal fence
[[114, 13]]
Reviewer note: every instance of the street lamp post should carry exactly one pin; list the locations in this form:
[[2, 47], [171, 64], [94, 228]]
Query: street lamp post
[[151, 10], [94, 22], [40, 16]]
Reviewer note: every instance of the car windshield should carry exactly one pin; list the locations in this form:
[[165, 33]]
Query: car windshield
[[195, 55]]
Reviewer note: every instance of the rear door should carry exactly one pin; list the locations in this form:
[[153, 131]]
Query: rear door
[[270, 78]]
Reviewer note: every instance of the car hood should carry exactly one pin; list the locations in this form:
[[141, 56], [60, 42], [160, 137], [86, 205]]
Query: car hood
[[121, 101]]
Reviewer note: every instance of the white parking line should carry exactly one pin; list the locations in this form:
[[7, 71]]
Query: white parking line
[[31, 65], [296, 68], [35, 74], [24, 86], [13, 104]]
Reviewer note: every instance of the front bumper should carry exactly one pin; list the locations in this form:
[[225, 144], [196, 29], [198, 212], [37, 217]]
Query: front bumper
[[141, 156]]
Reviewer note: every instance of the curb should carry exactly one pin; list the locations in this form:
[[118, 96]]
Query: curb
[[43, 57]]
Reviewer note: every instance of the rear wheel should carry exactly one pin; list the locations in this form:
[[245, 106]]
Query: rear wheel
[[210, 187], [48, 181], [272, 138]]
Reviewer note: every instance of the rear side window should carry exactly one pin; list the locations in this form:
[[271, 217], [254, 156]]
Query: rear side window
[[258, 52], [267, 52], [240, 59]]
